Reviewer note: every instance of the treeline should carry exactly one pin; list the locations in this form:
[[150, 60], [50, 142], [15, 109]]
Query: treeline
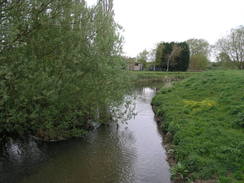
[[60, 67], [228, 52], [167, 56]]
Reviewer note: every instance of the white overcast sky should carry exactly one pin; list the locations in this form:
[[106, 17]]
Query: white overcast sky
[[147, 22]]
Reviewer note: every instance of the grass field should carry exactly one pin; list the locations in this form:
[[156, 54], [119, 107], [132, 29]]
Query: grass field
[[203, 117], [148, 76]]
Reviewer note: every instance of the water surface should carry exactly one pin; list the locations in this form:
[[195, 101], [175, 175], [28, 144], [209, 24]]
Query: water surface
[[131, 153]]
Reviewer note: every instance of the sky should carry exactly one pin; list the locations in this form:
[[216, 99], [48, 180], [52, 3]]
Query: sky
[[148, 22]]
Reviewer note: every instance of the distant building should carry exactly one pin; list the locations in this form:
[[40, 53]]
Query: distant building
[[135, 66]]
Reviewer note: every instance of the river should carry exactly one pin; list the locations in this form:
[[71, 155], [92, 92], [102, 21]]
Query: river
[[130, 153]]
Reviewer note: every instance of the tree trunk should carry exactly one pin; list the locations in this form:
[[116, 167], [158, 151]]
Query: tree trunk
[[167, 70]]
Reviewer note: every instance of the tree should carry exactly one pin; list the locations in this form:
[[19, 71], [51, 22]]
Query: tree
[[152, 59], [152, 55], [176, 50], [198, 46], [159, 56], [223, 57], [224, 62], [233, 46], [60, 66], [142, 57], [172, 56], [198, 62]]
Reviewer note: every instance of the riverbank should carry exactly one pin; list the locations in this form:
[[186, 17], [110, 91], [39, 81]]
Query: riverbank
[[151, 76], [55, 118], [203, 119], [119, 154]]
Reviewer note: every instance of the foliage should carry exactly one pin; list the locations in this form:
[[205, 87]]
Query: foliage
[[149, 66], [179, 171], [204, 113], [199, 50], [233, 46], [223, 63], [222, 66], [60, 67], [223, 57], [172, 56], [198, 62], [143, 57], [198, 46]]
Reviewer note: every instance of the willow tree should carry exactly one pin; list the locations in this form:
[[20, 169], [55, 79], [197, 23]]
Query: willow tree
[[198, 47], [60, 66]]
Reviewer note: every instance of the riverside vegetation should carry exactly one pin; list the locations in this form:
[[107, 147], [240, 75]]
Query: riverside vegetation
[[149, 76], [60, 67], [203, 117]]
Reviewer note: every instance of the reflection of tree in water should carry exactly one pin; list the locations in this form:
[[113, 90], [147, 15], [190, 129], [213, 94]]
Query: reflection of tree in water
[[124, 112], [18, 157], [106, 155], [128, 155], [145, 94]]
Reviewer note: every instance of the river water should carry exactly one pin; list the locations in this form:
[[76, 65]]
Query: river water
[[130, 153]]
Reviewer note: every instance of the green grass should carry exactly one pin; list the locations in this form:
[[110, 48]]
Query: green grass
[[205, 116], [142, 76]]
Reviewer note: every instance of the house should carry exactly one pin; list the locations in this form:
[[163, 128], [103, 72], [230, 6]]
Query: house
[[135, 66]]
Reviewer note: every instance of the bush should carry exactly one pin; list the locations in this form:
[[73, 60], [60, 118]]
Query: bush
[[198, 62]]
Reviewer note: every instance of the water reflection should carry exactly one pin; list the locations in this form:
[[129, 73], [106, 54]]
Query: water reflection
[[132, 153], [18, 159]]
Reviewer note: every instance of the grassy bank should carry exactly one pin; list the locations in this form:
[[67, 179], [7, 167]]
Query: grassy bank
[[150, 76], [203, 117]]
